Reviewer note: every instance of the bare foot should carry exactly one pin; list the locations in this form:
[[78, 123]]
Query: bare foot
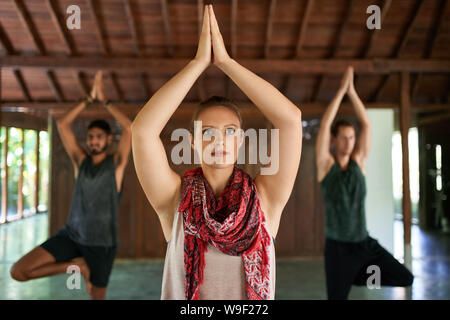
[[85, 272]]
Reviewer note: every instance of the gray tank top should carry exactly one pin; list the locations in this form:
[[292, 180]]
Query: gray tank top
[[93, 214]]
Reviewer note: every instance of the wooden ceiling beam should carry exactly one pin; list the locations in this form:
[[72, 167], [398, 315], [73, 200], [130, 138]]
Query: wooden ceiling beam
[[303, 28], [81, 84], [29, 26], [436, 29], [144, 84], [68, 46], [167, 27], [336, 47], [53, 83], [373, 36], [234, 11], [5, 42], [190, 106], [299, 46], [376, 32], [401, 46], [233, 51], [22, 84], [267, 66], [133, 27], [269, 28], [117, 90], [98, 29]]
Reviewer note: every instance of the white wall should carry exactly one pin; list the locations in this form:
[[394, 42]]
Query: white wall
[[380, 201]]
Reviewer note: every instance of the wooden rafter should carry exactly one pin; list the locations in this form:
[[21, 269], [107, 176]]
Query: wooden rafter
[[133, 27], [303, 28], [233, 51], [300, 40], [135, 36], [31, 29], [401, 45], [65, 39], [167, 26], [53, 83], [340, 36], [200, 6], [81, 84], [426, 120], [376, 32], [234, 11], [144, 84], [116, 86], [431, 43], [98, 29], [269, 29], [22, 84], [372, 38], [245, 106], [5, 43], [167, 66], [29, 26]]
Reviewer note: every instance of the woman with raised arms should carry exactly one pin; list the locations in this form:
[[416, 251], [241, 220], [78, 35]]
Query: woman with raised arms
[[220, 224]]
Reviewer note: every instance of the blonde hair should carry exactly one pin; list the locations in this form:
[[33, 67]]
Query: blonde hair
[[215, 101]]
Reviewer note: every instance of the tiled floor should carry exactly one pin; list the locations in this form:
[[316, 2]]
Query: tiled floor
[[296, 278]]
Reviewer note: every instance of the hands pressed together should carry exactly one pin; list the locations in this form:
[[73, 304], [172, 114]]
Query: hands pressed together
[[211, 46], [97, 93], [347, 82]]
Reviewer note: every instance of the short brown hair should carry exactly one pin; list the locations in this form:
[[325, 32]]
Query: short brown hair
[[340, 123], [215, 101]]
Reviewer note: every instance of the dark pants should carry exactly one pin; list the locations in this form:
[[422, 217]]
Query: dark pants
[[346, 264]]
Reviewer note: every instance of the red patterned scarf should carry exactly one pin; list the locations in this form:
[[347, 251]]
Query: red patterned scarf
[[233, 223]]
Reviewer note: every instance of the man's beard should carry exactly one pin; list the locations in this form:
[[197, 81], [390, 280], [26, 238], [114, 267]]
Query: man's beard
[[95, 152]]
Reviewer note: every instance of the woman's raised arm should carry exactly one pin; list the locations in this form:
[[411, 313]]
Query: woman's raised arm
[[274, 189], [160, 183]]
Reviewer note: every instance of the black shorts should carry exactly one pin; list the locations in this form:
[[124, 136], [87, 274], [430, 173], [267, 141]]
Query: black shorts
[[100, 259]]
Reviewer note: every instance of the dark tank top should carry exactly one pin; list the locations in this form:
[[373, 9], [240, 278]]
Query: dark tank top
[[344, 193], [93, 214]]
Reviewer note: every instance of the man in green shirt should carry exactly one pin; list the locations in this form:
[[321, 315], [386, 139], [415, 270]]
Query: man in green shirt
[[349, 250]]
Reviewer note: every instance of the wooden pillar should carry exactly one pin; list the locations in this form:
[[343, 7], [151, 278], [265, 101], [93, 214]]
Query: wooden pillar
[[36, 178], [20, 184], [5, 178], [405, 105]]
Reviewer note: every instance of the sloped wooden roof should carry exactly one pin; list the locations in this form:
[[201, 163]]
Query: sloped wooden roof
[[300, 46]]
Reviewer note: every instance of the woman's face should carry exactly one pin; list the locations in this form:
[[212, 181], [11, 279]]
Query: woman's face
[[220, 136]]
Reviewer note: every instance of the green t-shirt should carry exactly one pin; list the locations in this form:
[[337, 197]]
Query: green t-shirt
[[344, 194]]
